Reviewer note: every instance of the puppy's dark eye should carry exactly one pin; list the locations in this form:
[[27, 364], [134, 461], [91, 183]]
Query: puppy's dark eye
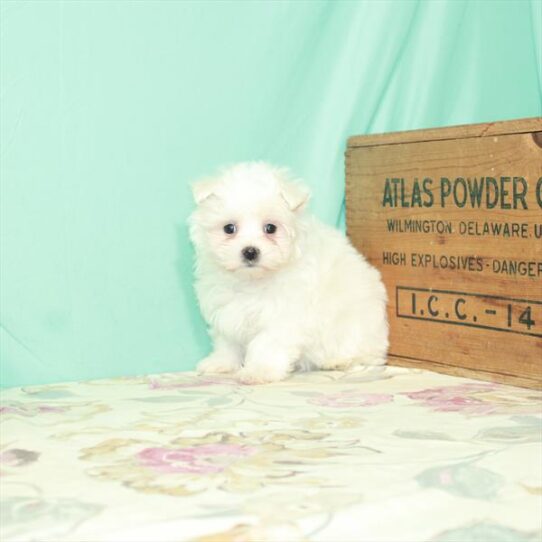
[[230, 229], [270, 228]]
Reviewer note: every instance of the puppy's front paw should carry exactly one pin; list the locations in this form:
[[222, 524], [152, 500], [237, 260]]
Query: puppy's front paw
[[217, 363], [260, 374]]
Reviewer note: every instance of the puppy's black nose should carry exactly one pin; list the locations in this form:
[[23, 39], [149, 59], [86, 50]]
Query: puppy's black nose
[[250, 253]]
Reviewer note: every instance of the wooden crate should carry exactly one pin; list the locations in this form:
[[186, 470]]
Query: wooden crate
[[453, 219]]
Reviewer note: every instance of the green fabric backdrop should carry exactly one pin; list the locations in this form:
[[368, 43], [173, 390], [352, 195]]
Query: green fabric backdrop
[[110, 108]]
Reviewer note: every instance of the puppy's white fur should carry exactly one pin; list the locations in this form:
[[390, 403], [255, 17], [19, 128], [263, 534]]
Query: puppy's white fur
[[309, 299]]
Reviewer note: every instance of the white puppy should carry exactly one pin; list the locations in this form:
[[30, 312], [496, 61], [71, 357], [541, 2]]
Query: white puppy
[[278, 288]]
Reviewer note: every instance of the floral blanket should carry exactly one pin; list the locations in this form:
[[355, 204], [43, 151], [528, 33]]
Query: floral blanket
[[378, 454]]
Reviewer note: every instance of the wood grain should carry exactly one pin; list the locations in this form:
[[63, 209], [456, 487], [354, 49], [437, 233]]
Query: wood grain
[[476, 374], [465, 131], [463, 293]]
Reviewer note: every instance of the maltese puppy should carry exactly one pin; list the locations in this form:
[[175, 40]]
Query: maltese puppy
[[279, 289]]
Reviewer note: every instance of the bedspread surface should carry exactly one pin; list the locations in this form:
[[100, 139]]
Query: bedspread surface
[[378, 454]]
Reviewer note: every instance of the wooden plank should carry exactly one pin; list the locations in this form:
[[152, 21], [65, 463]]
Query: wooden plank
[[499, 378], [455, 226], [466, 131]]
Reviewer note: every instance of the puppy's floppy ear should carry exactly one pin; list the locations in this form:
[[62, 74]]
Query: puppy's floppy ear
[[295, 194], [202, 189]]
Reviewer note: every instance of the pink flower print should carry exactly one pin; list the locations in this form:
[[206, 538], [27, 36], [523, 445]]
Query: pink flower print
[[446, 478], [8, 410], [351, 398], [17, 458], [195, 382], [28, 410], [202, 459], [462, 398], [50, 409]]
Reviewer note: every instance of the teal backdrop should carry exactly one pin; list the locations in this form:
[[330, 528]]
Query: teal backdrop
[[110, 108]]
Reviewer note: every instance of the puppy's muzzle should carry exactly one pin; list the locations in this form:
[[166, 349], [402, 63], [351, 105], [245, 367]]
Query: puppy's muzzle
[[250, 255]]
